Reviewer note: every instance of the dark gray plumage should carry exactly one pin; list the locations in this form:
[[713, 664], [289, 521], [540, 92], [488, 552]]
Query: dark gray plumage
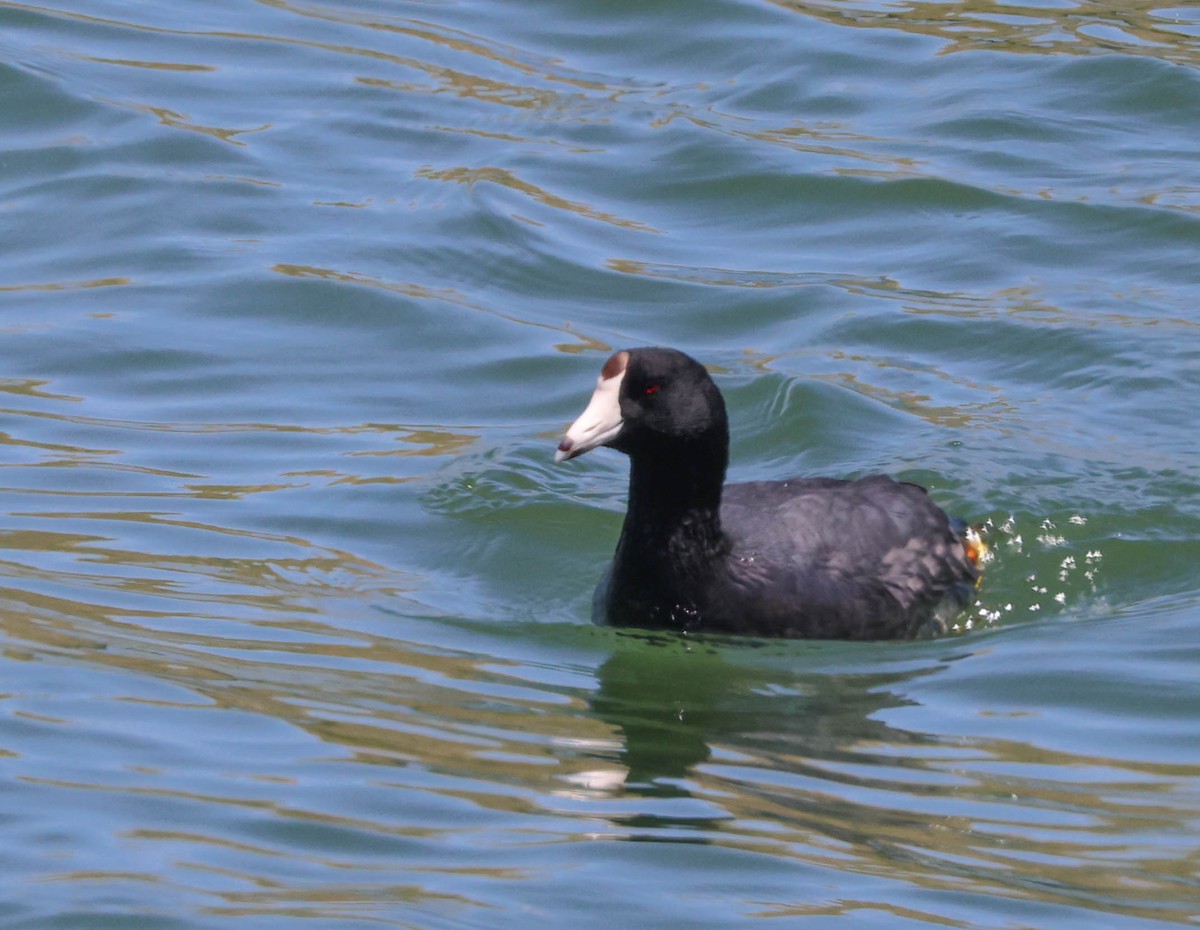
[[811, 557]]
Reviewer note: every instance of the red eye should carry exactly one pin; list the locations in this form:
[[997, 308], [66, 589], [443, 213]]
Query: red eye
[[654, 389]]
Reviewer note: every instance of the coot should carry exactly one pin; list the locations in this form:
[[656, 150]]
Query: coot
[[819, 558]]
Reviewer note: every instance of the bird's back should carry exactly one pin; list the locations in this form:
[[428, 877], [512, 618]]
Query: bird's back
[[821, 557]]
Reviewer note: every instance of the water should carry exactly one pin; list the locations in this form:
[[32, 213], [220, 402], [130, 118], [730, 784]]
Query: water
[[294, 603]]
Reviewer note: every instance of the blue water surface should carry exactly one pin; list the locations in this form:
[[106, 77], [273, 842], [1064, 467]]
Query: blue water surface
[[294, 604]]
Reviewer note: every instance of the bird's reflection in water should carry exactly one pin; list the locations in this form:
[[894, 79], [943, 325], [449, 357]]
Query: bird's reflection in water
[[749, 730], [676, 701]]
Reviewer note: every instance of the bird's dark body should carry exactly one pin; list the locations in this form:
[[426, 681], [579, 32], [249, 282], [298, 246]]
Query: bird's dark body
[[866, 559]]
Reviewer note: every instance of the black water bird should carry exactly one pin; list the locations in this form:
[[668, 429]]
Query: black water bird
[[818, 558]]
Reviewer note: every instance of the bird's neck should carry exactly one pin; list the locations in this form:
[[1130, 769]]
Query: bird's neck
[[675, 502]]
